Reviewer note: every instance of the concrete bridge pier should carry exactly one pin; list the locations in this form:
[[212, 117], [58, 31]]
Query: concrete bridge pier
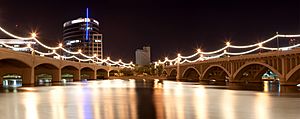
[[95, 74], [28, 76], [78, 76], [229, 78], [56, 76]]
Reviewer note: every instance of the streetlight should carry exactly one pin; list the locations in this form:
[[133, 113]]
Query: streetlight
[[33, 35], [228, 44], [277, 41], [60, 45]]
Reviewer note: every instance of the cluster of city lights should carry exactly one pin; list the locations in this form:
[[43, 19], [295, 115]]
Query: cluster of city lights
[[94, 58], [223, 51]]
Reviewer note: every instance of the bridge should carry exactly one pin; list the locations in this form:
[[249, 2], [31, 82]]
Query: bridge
[[246, 66], [29, 67], [28, 64]]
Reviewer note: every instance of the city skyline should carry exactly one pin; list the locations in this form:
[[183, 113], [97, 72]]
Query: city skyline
[[169, 27]]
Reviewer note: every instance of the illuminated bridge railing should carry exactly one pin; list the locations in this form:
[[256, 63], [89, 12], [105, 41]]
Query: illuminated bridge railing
[[78, 56], [222, 52]]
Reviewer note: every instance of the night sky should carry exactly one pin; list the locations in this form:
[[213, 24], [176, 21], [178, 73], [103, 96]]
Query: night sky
[[169, 26]]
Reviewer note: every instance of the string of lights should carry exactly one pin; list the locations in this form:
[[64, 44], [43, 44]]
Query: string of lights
[[93, 58], [223, 51]]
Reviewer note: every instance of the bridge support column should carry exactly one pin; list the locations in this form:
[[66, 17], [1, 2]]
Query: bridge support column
[[56, 76], [108, 73], [28, 77], [1, 80], [95, 74], [79, 75], [284, 71], [230, 79], [59, 74]]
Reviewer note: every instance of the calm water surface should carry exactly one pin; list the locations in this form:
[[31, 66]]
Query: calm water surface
[[138, 99]]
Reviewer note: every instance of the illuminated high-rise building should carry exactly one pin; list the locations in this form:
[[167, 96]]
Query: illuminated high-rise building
[[143, 56], [84, 34]]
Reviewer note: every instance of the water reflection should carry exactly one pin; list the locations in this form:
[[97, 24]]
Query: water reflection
[[262, 106], [30, 101], [228, 105], [133, 99], [201, 103]]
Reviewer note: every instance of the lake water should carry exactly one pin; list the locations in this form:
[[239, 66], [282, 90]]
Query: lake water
[[150, 99]]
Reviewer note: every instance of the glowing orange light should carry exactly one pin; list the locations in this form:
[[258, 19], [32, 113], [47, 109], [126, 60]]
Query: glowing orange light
[[29, 45], [260, 45], [33, 34], [199, 50], [228, 43]]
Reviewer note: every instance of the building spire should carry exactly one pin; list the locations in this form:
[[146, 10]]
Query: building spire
[[87, 25]]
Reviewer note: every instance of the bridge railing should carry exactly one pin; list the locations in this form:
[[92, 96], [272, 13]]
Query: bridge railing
[[225, 51]]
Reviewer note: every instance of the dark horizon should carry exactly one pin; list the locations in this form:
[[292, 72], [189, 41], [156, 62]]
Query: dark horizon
[[168, 27]]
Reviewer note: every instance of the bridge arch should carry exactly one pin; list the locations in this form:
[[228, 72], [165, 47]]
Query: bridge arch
[[241, 71], [106, 68], [70, 73], [294, 75], [70, 64], [164, 73], [87, 73], [17, 59], [220, 73], [16, 67], [191, 73], [173, 73], [102, 73], [42, 62], [46, 69], [88, 66], [113, 72]]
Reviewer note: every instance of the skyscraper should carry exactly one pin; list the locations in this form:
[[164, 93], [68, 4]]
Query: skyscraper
[[83, 34], [142, 56]]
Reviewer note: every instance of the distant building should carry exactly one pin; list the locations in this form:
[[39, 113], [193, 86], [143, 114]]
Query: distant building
[[84, 34], [293, 42], [142, 56], [16, 44]]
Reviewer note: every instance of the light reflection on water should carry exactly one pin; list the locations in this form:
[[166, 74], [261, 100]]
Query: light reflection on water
[[138, 99]]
